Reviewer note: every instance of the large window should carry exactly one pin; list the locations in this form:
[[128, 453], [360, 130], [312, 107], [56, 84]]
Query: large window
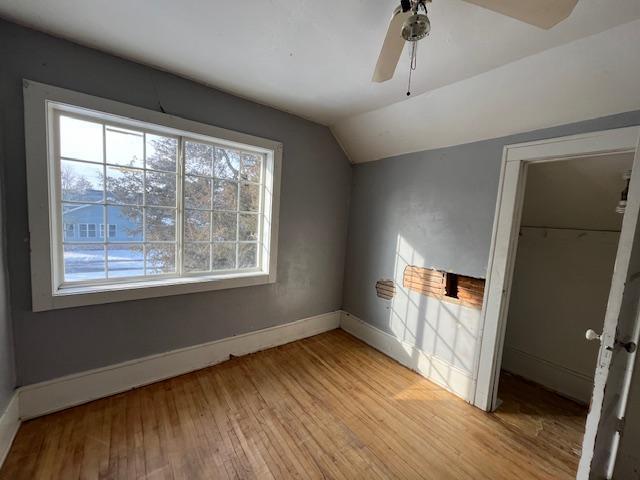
[[204, 221], [177, 206]]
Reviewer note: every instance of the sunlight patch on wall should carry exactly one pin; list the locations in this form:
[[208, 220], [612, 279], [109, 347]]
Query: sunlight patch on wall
[[445, 329]]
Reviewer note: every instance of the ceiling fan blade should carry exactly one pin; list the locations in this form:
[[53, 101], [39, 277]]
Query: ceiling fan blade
[[541, 13], [391, 48]]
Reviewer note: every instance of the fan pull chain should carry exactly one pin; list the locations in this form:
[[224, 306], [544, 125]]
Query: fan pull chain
[[413, 64]]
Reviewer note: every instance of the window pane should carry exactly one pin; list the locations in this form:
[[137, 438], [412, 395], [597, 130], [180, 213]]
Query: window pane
[[87, 216], [161, 258], [126, 223], [251, 167], [161, 152], [160, 224], [224, 226], [247, 255], [125, 260], [226, 163], [81, 182], [80, 139], [197, 225], [248, 226], [223, 256], [196, 257], [124, 147], [83, 262], [120, 219], [198, 158], [225, 195], [197, 192], [249, 197], [161, 189], [124, 186]]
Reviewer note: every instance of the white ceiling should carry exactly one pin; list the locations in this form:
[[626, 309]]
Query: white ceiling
[[312, 58], [579, 193]]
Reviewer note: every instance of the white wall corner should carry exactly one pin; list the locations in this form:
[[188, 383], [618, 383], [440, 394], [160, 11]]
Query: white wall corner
[[340, 142], [61, 393], [429, 366], [9, 424], [558, 378]]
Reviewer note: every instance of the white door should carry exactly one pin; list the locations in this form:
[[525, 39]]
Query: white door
[[617, 353]]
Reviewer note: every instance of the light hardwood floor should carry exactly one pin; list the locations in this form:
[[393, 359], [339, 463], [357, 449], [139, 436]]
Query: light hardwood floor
[[324, 407]]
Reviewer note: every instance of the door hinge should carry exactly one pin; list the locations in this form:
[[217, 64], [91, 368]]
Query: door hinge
[[620, 424]]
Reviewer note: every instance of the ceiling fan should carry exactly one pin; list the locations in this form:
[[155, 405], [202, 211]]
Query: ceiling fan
[[410, 23]]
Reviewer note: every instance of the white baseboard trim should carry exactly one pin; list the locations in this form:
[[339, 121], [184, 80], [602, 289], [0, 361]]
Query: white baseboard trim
[[432, 368], [568, 383], [9, 424], [58, 394]]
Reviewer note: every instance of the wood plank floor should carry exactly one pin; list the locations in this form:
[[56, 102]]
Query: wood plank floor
[[324, 407]]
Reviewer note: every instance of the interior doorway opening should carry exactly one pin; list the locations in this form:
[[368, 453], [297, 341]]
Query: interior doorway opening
[[566, 250]]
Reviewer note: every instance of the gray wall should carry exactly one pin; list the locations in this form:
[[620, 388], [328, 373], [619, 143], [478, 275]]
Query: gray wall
[[313, 217], [7, 366], [442, 203]]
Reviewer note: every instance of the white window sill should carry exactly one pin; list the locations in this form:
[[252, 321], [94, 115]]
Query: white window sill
[[76, 296]]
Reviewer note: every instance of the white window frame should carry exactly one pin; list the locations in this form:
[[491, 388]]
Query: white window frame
[[40, 103]]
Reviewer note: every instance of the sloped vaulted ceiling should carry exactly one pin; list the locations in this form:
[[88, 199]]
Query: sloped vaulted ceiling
[[315, 59], [589, 78]]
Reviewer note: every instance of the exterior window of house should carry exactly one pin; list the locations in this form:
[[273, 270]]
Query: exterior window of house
[[112, 230], [87, 230], [180, 206], [69, 231]]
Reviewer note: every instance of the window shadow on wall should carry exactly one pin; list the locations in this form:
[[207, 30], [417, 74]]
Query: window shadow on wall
[[438, 338]]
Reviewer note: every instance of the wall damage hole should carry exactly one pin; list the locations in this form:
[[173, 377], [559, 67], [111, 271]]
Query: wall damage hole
[[424, 280], [451, 287], [470, 291], [385, 288]]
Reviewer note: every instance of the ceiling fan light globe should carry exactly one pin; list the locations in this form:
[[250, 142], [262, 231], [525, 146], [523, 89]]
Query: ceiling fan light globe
[[416, 27]]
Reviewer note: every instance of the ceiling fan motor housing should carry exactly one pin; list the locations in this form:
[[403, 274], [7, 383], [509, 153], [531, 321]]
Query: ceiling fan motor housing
[[416, 27]]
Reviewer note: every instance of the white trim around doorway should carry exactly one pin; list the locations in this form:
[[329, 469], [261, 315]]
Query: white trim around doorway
[[504, 239]]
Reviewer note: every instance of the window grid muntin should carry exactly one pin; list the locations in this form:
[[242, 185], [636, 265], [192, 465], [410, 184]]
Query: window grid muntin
[[238, 181], [105, 204], [179, 209]]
